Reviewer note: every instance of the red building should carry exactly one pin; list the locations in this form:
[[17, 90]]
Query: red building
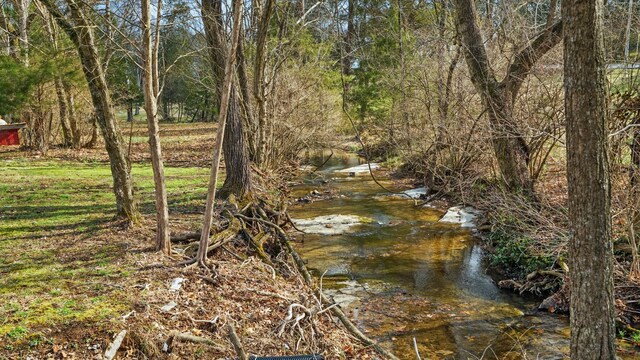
[[10, 134]]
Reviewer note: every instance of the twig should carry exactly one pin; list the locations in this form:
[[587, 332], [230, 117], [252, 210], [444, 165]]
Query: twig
[[415, 347], [235, 340], [192, 339]]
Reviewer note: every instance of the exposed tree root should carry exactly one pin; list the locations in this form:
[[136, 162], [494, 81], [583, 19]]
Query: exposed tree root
[[186, 337], [261, 227], [539, 282]]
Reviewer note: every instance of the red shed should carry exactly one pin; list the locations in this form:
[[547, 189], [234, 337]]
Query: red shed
[[9, 134]]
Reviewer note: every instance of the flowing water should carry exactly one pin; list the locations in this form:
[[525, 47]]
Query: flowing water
[[401, 274]]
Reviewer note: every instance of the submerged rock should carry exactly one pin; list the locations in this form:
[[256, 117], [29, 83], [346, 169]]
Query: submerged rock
[[458, 215], [331, 224], [416, 193], [360, 169]]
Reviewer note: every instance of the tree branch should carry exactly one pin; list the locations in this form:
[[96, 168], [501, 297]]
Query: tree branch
[[527, 57]]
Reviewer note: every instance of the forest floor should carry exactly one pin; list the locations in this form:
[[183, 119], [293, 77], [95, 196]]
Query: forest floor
[[71, 277]]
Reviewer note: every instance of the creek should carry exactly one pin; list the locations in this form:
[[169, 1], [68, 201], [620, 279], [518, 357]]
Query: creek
[[402, 274]]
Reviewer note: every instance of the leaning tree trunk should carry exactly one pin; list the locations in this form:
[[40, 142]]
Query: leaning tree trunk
[[511, 149], [150, 87], [236, 155], [83, 38], [63, 108], [226, 93], [590, 248]]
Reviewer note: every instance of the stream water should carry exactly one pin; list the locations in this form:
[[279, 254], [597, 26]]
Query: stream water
[[401, 274]]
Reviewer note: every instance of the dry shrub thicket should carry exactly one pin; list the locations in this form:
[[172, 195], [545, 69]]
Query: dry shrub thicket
[[305, 112], [453, 155]]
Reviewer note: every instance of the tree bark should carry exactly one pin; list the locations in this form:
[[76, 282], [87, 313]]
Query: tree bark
[[590, 248], [250, 125], [498, 97], [71, 113], [80, 30], [208, 11], [236, 156], [150, 88], [67, 136], [259, 86]]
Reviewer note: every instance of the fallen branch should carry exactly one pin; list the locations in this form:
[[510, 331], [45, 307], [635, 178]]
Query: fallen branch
[[235, 340], [186, 337], [186, 237]]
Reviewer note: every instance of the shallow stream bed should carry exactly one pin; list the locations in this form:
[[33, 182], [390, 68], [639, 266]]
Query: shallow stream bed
[[401, 274]]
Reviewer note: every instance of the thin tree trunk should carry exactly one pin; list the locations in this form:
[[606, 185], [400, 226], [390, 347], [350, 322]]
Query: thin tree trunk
[[207, 13], [590, 248], [67, 135], [129, 111], [634, 202], [259, 88], [627, 34], [250, 125], [63, 108], [236, 156], [163, 241], [71, 113], [81, 33], [94, 132]]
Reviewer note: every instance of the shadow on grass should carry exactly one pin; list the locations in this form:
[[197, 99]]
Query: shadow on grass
[[34, 221]]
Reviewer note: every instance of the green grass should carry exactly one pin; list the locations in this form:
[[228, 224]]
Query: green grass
[[51, 272]]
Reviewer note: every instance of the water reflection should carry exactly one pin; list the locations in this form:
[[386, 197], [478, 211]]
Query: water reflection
[[417, 277]]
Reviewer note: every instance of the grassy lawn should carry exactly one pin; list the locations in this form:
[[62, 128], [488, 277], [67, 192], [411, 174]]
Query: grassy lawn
[[61, 261]]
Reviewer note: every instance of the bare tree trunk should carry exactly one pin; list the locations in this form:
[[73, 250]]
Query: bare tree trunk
[[5, 33], [259, 86], [80, 30], [71, 113], [627, 34], [510, 147], [22, 7], [67, 136], [236, 156], [94, 132], [129, 111], [634, 199], [590, 246], [250, 125], [63, 108], [226, 93], [150, 87]]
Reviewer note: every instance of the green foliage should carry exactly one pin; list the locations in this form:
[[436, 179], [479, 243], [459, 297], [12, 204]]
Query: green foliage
[[17, 332], [512, 253], [16, 83]]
